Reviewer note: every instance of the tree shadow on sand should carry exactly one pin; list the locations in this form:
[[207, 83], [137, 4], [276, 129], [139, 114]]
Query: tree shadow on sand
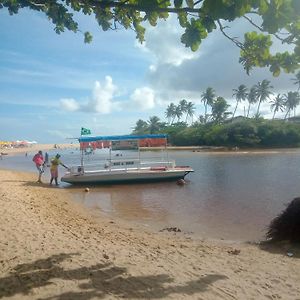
[[97, 281]]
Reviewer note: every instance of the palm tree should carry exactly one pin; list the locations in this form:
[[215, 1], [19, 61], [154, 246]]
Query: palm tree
[[252, 98], [154, 124], [263, 92], [178, 112], [277, 104], [219, 110], [208, 98], [170, 112], [292, 100], [190, 111], [183, 106], [297, 80], [141, 127], [240, 94], [201, 119]]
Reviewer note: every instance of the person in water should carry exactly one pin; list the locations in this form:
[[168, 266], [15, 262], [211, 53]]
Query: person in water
[[55, 162], [38, 159]]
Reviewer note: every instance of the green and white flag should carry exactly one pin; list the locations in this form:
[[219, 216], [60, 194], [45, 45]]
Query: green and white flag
[[85, 131]]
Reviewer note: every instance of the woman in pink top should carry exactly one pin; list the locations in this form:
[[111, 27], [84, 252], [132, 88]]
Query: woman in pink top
[[38, 159]]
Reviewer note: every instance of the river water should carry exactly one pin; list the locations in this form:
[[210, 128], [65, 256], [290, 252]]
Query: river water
[[230, 195]]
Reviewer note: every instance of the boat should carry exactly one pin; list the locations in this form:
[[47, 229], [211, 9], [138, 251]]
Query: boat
[[119, 169]]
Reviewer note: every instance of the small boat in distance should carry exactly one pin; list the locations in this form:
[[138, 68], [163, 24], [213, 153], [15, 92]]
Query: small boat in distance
[[119, 169]]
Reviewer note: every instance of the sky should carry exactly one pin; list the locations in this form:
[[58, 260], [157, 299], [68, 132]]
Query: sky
[[52, 85]]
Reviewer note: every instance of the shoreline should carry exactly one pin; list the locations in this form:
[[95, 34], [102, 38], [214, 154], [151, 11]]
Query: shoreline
[[52, 248], [37, 147], [194, 149], [224, 150]]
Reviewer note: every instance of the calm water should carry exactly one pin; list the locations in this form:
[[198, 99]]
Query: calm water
[[230, 196]]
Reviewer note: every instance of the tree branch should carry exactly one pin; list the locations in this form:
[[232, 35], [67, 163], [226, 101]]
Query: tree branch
[[262, 30], [37, 4], [141, 8], [235, 41]]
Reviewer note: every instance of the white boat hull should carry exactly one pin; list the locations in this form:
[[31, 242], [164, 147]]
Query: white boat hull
[[129, 175]]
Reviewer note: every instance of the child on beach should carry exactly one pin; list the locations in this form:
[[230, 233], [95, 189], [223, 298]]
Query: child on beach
[[55, 162], [38, 159]]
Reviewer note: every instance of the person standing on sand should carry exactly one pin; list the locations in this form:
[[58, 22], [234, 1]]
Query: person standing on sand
[[55, 162], [38, 159], [47, 159]]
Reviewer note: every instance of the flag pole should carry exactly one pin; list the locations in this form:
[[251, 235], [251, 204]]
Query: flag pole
[[81, 159]]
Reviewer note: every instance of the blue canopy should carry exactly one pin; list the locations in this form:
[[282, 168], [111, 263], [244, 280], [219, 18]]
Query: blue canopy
[[84, 139]]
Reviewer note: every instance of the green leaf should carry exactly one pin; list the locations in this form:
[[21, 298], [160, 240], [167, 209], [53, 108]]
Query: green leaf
[[178, 3], [209, 24], [275, 69], [182, 18], [190, 3], [88, 37], [152, 18], [274, 16], [193, 35], [87, 10]]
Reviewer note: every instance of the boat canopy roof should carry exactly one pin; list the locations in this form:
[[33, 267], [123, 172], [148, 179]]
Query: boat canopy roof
[[84, 139]]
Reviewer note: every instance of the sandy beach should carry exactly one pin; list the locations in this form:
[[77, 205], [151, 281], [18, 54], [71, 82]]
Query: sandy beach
[[37, 147], [225, 150], [197, 149], [52, 248]]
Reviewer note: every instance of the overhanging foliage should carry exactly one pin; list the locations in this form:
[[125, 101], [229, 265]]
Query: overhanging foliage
[[278, 18]]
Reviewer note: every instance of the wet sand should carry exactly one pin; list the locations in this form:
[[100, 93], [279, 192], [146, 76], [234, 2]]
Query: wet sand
[[51, 248]]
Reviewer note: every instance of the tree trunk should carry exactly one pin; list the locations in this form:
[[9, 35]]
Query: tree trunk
[[286, 114], [248, 110], [235, 110], [274, 114], [258, 108]]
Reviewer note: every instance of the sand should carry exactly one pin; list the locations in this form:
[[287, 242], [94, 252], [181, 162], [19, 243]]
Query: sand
[[197, 149], [53, 248], [37, 147]]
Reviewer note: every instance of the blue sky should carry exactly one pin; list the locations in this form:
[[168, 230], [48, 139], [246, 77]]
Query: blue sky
[[51, 85]]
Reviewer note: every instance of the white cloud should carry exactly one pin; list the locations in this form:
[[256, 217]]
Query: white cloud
[[163, 43], [176, 72], [143, 98], [152, 68], [69, 104], [101, 101]]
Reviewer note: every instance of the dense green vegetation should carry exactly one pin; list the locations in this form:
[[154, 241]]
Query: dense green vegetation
[[242, 133], [271, 20], [219, 127]]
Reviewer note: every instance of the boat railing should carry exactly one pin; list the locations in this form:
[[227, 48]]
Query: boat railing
[[124, 164]]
